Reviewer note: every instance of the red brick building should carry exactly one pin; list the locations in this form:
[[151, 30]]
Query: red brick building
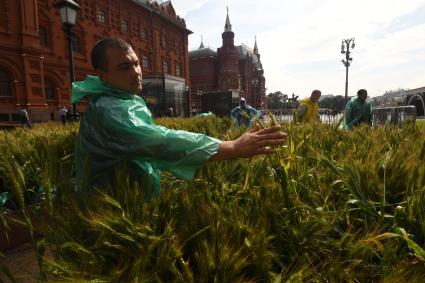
[[34, 68], [236, 70]]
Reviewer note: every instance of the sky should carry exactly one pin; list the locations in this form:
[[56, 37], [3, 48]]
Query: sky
[[300, 41]]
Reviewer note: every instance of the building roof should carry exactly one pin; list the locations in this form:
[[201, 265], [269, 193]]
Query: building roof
[[202, 52], [159, 7], [244, 51]]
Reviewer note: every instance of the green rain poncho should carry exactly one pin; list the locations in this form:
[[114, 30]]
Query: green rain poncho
[[356, 113], [118, 128]]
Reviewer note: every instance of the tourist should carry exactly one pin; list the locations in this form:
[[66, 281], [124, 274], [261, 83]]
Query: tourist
[[308, 109], [25, 120], [244, 113], [62, 113], [358, 111]]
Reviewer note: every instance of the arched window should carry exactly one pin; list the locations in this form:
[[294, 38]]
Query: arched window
[[101, 17], [164, 42], [76, 44], [43, 36], [143, 34], [49, 89], [145, 62], [124, 26], [5, 84], [178, 70], [165, 67]]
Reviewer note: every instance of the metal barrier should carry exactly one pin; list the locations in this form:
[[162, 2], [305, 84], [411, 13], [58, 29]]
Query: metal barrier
[[380, 115], [393, 115], [327, 116]]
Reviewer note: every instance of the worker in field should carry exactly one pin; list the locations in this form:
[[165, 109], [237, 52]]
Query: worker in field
[[117, 129], [243, 114], [358, 111], [308, 109]]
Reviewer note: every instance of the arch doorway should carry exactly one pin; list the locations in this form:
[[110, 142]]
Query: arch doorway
[[419, 103]]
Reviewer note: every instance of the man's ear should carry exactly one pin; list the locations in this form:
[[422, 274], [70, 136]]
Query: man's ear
[[101, 74]]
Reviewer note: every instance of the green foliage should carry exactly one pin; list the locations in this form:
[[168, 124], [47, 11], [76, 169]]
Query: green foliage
[[328, 206], [336, 103], [277, 100], [420, 122]]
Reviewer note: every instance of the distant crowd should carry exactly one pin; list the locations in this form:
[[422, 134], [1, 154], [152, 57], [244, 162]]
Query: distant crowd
[[357, 111]]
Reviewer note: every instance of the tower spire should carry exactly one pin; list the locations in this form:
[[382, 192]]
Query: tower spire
[[227, 26], [255, 46], [202, 43]]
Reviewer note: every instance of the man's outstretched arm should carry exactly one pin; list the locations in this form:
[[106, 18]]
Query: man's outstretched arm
[[256, 141]]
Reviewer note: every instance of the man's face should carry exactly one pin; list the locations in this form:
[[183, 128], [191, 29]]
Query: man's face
[[123, 70], [362, 97], [243, 104], [315, 96]]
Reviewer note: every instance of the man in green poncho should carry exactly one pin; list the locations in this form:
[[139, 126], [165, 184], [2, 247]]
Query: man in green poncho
[[117, 128], [358, 111]]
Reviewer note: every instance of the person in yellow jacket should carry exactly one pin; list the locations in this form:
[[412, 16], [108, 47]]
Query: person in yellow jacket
[[308, 109]]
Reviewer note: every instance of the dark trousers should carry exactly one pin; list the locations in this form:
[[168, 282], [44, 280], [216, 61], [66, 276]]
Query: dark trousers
[[25, 123]]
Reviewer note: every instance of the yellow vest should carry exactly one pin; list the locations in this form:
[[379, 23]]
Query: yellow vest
[[312, 109]]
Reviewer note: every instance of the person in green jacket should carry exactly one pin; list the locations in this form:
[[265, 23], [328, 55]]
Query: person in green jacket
[[117, 129], [358, 111]]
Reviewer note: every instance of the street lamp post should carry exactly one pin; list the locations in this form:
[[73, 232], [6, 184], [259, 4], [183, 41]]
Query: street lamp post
[[68, 11], [345, 49]]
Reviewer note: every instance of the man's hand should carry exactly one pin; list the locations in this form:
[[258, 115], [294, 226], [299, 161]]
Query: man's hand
[[256, 141]]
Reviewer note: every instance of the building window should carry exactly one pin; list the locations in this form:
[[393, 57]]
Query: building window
[[124, 26], [101, 17], [145, 62], [164, 42], [43, 36], [165, 67], [180, 47], [76, 44], [143, 34], [178, 70], [49, 89], [5, 84], [173, 44]]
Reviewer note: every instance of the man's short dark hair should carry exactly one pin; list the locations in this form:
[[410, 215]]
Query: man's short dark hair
[[98, 53], [316, 91], [362, 91]]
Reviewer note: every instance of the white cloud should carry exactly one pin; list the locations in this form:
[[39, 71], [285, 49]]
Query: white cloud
[[183, 7], [299, 41]]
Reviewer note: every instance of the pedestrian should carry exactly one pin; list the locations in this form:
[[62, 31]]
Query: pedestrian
[[62, 113], [358, 111], [244, 113], [68, 115], [25, 120], [117, 129], [170, 112], [308, 109]]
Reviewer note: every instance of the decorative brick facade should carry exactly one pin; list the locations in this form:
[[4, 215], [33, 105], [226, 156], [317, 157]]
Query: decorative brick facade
[[34, 69], [230, 69]]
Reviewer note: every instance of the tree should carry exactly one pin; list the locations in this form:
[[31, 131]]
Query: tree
[[277, 100], [336, 103]]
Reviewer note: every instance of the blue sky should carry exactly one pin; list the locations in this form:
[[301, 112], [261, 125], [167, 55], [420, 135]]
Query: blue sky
[[300, 41]]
